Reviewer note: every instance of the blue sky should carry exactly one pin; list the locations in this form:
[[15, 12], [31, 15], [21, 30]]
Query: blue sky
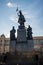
[[31, 9]]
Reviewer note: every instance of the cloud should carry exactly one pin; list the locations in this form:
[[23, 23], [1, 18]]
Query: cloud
[[8, 35], [13, 18], [28, 16], [11, 5], [25, 12]]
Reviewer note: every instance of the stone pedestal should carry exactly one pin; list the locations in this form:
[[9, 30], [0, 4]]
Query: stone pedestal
[[30, 45], [25, 46], [12, 46], [21, 34], [22, 47]]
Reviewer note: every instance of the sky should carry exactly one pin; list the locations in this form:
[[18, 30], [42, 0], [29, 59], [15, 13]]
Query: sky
[[32, 11]]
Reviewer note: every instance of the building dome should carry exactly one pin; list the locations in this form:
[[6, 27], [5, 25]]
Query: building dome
[[3, 35]]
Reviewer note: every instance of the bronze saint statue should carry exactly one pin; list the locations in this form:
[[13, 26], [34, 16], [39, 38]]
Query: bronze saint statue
[[29, 33], [12, 34], [21, 19]]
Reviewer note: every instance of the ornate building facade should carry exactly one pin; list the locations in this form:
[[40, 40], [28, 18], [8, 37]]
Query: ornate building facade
[[4, 44]]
